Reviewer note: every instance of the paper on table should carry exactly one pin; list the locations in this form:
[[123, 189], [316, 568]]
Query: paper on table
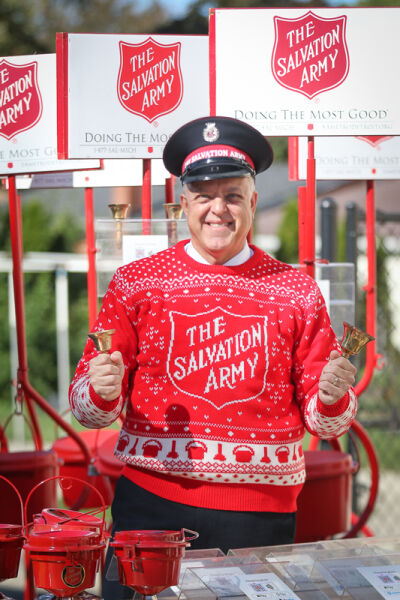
[[385, 579], [266, 586]]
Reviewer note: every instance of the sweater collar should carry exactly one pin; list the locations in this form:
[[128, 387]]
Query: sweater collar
[[239, 258]]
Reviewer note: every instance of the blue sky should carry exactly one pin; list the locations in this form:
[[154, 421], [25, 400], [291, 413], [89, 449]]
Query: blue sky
[[177, 8]]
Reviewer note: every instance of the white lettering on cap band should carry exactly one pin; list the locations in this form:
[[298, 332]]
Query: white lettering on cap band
[[219, 151]]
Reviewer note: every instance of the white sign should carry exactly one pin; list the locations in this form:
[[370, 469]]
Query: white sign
[[135, 247], [116, 172], [385, 579], [329, 71], [28, 117], [122, 96], [361, 157]]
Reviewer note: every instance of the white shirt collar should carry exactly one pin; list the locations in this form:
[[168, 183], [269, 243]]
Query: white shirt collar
[[238, 259]]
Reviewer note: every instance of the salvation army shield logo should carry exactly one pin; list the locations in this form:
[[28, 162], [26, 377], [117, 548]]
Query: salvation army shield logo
[[374, 140], [73, 575], [310, 54], [218, 356], [20, 98], [150, 79]]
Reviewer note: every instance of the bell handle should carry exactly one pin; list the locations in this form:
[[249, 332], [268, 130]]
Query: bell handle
[[189, 538], [68, 478]]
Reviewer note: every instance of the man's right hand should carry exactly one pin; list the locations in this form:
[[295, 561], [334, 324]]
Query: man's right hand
[[106, 372]]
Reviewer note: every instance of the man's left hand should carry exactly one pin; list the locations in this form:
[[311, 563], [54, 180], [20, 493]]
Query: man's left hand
[[336, 379]]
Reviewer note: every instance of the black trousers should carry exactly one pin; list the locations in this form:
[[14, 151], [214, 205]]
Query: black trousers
[[135, 508]]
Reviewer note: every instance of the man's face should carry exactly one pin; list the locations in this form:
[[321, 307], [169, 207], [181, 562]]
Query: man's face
[[219, 215]]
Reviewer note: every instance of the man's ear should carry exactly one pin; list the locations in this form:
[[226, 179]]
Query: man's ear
[[253, 201], [184, 203]]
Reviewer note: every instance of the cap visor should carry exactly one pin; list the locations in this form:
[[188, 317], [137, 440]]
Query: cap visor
[[214, 169]]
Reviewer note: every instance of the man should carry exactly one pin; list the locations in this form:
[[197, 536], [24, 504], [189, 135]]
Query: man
[[224, 356]]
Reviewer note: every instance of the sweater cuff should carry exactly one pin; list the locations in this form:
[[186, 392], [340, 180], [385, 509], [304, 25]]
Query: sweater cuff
[[104, 405], [333, 410]]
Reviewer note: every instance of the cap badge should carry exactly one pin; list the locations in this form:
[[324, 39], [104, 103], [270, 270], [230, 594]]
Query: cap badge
[[210, 132]]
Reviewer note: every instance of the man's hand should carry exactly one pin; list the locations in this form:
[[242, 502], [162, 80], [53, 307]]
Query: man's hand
[[336, 378], [106, 372]]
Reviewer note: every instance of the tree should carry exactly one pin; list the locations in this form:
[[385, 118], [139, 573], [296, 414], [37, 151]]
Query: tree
[[43, 232], [196, 19], [30, 27], [288, 250]]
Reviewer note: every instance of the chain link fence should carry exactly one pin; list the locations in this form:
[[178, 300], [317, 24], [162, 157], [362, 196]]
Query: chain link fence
[[379, 404]]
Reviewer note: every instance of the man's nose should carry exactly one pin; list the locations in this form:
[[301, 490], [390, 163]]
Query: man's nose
[[218, 205]]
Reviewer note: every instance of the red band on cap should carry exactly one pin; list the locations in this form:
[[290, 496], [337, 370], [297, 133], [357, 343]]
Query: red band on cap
[[215, 151]]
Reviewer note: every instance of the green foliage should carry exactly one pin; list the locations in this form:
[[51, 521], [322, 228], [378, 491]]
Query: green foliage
[[30, 27], [280, 148], [288, 234], [5, 379], [341, 241], [42, 232], [378, 3]]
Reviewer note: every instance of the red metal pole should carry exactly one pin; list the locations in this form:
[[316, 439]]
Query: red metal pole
[[146, 196], [91, 254], [370, 289], [169, 190], [19, 299], [302, 196], [24, 388], [309, 239], [17, 257]]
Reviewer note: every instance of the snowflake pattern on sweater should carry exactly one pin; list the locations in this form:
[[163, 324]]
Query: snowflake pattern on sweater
[[221, 370]]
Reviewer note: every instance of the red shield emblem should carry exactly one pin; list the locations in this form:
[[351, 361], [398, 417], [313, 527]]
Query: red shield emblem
[[20, 99], [374, 140], [218, 356], [150, 78], [73, 575], [310, 53]]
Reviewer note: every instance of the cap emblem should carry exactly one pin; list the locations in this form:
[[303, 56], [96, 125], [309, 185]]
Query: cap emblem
[[210, 132]]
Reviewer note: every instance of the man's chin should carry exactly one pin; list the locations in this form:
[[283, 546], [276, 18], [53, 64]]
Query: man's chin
[[220, 253]]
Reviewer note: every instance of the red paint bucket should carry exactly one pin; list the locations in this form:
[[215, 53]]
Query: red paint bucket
[[11, 540], [149, 561], [73, 464], [324, 504], [165, 535], [24, 470], [65, 562]]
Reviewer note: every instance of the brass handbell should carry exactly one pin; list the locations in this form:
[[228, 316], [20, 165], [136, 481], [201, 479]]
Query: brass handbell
[[102, 340], [353, 340], [173, 210], [119, 211]]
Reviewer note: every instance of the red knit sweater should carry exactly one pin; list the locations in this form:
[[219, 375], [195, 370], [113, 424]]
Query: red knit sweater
[[221, 378]]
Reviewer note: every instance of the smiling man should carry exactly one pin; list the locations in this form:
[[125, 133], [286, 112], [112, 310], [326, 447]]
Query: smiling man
[[220, 215], [223, 358]]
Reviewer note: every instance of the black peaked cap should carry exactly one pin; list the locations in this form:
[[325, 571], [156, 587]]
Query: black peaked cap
[[213, 131]]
